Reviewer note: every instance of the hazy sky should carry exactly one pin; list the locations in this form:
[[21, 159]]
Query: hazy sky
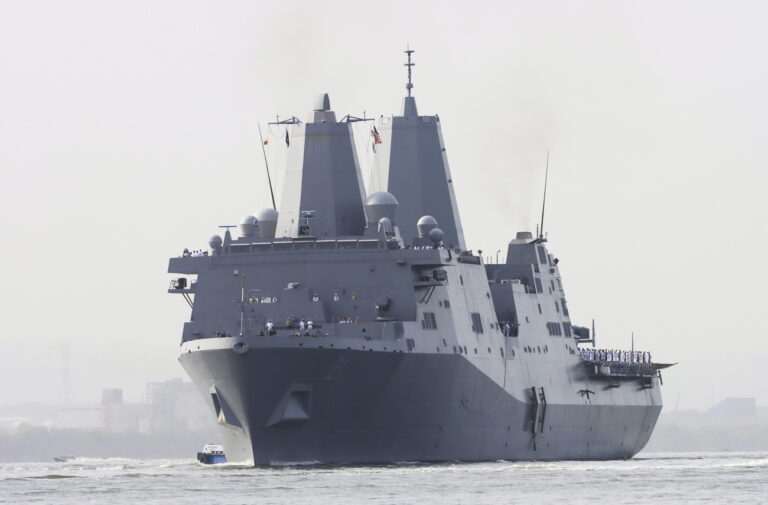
[[128, 130]]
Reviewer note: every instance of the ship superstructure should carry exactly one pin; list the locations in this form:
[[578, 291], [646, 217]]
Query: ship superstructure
[[354, 328]]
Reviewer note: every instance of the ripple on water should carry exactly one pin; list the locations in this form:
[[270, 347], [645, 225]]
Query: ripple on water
[[52, 476], [657, 478]]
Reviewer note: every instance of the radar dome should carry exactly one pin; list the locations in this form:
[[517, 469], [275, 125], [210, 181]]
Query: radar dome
[[215, 244], [436, 235], [267, 222], [248, 226], [425, 225], [380, 205]]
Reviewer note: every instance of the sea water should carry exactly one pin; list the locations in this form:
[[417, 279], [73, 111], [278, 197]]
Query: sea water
[[674, 478]]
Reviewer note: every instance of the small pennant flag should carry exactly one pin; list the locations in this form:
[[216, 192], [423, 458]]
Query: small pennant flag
[[266, 141], [376, 138], [287, 140]]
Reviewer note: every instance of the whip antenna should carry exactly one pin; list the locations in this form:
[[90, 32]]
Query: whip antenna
[[544, 201], [266, 164]]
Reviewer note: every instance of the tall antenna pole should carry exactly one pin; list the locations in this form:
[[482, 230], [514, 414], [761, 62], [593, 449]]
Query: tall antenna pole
[[409, 52], [544, 201], [266, 164]]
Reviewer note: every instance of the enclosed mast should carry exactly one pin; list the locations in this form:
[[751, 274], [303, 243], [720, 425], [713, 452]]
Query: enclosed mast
[[323, 193], [418, 173]]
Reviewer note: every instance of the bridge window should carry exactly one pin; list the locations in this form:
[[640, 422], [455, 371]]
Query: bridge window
[[554, 329], [477, 323], [429, 322], [542, 255]]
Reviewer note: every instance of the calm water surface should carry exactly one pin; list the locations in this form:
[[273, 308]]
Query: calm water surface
[[679, 478]]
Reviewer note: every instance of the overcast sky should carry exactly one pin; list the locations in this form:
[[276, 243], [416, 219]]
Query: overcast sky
[[128, 131]]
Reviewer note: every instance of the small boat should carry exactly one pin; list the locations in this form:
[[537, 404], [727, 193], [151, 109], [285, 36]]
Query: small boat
[[63, 459], [211, 454]]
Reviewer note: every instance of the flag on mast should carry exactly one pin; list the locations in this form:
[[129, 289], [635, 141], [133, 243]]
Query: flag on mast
[[376, 137], [266, 141]]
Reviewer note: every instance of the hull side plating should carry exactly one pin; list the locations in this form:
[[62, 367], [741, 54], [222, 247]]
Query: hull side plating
[[348, 406]]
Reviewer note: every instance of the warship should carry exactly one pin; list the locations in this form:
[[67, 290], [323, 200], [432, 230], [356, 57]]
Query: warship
[[345, 327]]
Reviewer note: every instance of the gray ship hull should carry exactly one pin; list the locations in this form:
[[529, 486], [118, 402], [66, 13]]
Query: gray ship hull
[[292, 405], [368, 332]]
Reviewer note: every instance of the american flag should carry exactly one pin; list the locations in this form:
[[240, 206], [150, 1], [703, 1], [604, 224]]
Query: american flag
[[376, 138]]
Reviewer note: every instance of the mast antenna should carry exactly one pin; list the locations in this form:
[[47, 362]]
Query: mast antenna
[[266, 164], [544, 200], [409, 52]]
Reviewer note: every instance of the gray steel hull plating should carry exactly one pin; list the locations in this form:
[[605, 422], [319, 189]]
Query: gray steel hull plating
[[353, 406]]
